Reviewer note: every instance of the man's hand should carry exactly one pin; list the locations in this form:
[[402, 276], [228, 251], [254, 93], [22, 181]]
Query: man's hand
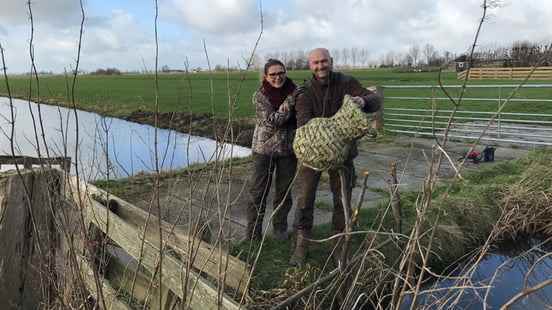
[[284, 108], [358, 101]]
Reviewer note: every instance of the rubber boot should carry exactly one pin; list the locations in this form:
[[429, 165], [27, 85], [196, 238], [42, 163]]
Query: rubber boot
[[279, 234], [253, 232], [301, 249]]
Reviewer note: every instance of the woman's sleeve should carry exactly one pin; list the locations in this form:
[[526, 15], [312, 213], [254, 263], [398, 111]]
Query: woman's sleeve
[[267, 114]]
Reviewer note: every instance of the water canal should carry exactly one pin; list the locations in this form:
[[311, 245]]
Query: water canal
[[104, 143]]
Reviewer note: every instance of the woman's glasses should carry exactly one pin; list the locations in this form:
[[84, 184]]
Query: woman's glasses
[[274, 74]]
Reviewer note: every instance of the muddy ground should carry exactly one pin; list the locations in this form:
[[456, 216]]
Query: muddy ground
[[200, 124], [218, 189]]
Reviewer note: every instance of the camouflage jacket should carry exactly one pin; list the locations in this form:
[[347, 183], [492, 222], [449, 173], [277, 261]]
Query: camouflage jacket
[[274, 130]]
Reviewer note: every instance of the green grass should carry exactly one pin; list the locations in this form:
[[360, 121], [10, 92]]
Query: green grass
[[121, 95], [273, 263], [466, 217]]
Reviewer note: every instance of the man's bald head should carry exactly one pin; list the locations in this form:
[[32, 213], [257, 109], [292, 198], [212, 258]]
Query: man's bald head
[[320, 62], [319, 51]]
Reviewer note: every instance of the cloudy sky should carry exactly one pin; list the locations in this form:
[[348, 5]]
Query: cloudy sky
[[120, 33]]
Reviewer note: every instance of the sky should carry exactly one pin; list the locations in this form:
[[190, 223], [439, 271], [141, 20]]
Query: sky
[[120, 33]]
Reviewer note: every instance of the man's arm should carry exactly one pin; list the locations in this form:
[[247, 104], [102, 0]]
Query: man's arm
[[371, 100], [303, 108]]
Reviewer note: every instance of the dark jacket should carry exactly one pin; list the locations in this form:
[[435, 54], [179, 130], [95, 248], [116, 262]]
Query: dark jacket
[[274, 131], [324, 100]]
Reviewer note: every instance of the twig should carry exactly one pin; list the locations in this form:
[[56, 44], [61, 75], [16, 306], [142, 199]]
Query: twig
[[525, 292], [289, 301]]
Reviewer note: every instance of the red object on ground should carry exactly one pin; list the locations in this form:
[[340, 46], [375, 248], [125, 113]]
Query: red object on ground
[[473, 155]]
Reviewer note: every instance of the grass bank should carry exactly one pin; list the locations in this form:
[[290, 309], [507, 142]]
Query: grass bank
[[500, 202]]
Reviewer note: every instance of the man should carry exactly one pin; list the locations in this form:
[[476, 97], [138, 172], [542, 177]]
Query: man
[[322, 96]]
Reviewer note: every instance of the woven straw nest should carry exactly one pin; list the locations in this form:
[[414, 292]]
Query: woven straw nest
[[324, 143]]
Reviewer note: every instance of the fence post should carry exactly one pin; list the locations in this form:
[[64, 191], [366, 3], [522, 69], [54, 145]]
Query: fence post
[[27, 163], [378, 115], [499, 103]]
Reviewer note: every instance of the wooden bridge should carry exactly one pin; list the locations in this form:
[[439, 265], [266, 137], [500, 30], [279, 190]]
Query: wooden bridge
[[66, 242]]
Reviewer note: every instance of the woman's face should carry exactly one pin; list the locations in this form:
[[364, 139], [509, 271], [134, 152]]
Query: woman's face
[[276, 76]]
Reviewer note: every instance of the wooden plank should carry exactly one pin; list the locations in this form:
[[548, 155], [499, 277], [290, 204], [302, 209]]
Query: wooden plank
[[109, 293], [28, 161], [122, 270], [205, 257], [204, 295]]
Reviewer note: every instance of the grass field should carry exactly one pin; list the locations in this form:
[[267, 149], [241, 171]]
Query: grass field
[[121, 95]]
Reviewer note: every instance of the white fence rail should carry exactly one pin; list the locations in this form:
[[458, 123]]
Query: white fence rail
[[470, 123]]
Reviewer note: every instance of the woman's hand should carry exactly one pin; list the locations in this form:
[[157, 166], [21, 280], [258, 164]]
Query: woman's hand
[[358, 101], [284, 108]]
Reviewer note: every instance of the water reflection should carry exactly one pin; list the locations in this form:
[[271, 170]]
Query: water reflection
[[495, 280], [105, 144]]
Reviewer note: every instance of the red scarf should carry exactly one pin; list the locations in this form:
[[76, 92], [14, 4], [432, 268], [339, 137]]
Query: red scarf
[[276, 96]]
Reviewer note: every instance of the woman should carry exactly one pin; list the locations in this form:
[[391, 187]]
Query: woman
[[272, 150]]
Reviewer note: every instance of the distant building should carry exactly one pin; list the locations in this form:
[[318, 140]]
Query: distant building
[[462, 63]]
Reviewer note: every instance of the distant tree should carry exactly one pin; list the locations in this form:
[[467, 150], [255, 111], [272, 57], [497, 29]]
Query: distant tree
[[112, 71], [406, 60], [165, 68], [447, 57], [345, 56], [336, 55], [364, 56], [414, 52], [429, 53], [389, 59], [301, 61], [107, 71], [354, 56], [256, 62], [525, 53]]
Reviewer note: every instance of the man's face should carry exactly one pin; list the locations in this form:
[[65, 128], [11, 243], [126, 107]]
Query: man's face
[[320, 64]]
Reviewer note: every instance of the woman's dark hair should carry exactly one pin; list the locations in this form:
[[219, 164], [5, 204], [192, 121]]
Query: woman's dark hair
[[272, 62]]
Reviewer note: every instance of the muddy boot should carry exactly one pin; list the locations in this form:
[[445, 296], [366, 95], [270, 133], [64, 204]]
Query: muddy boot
[[280, 235], [279, 232], [301, 249], [252, 232]]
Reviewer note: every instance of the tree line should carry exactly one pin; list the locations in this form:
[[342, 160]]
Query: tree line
[[354, 57], [415, 58], [420, 57]]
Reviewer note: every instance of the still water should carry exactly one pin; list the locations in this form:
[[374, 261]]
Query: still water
[[497, 278], [104, 144]]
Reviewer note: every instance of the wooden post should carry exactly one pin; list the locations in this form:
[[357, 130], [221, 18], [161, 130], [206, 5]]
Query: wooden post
[[67, 164], [27, 163], [395, 197], [28, 240], [378, 116]]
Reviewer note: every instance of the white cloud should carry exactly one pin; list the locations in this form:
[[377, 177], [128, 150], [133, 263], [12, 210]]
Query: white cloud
[[53, 12], [112, 41], [230, 28], [218, 16]]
